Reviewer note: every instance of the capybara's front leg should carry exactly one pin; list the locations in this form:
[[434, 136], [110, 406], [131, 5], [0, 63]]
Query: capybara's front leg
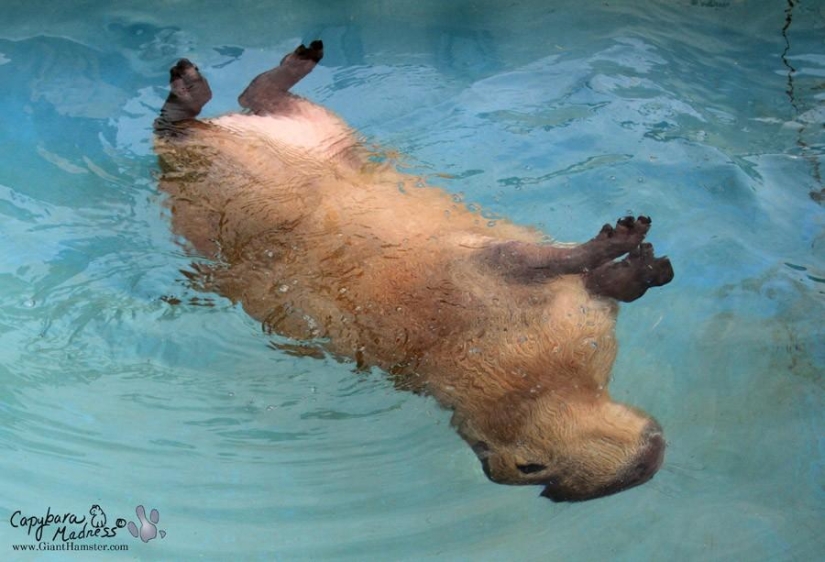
[[526, 262], [628, 279]]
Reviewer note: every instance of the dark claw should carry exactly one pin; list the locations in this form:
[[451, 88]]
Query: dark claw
[[627, 222]]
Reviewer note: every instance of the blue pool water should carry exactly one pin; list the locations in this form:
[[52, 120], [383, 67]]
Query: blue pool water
[[707, 115]]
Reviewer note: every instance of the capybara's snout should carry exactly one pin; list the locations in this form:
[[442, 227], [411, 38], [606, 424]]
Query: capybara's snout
[[642, 467]]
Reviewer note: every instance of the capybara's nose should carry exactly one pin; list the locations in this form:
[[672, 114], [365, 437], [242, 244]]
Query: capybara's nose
[[646, 463], [641, 469]]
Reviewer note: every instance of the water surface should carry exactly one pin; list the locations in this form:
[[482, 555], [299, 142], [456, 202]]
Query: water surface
[[706, 115]]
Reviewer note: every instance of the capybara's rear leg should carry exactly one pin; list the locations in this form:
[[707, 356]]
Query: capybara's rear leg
[[266, 93], [188, 93], [628, 279], [526, 262]]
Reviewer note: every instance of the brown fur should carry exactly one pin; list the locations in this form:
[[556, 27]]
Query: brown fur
[[323, 245]]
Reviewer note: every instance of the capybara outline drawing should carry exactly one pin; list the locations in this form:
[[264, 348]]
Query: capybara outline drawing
[[98, 519], [323, 242]]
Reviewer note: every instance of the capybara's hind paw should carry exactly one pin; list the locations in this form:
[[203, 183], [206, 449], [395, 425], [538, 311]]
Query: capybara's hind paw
[[188, 93], [186, 82], [266, 94], [315, 51]]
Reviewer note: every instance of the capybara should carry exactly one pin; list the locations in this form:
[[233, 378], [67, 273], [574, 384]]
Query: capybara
[[325, 242]]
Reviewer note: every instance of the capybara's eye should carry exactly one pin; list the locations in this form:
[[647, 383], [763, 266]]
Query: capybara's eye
[[530, 468]]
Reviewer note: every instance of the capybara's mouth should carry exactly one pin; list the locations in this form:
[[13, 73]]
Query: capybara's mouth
[[482, 451]]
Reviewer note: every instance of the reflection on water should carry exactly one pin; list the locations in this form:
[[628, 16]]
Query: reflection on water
[[120, 385]]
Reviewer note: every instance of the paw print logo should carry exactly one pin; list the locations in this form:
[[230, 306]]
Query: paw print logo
[[148, 529]]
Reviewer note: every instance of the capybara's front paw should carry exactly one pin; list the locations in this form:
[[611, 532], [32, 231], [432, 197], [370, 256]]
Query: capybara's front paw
[[315, 51], [628, 279], [650, 270], [628, 233]]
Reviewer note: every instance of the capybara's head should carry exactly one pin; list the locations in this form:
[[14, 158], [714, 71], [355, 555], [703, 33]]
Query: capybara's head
[[577, 449]]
